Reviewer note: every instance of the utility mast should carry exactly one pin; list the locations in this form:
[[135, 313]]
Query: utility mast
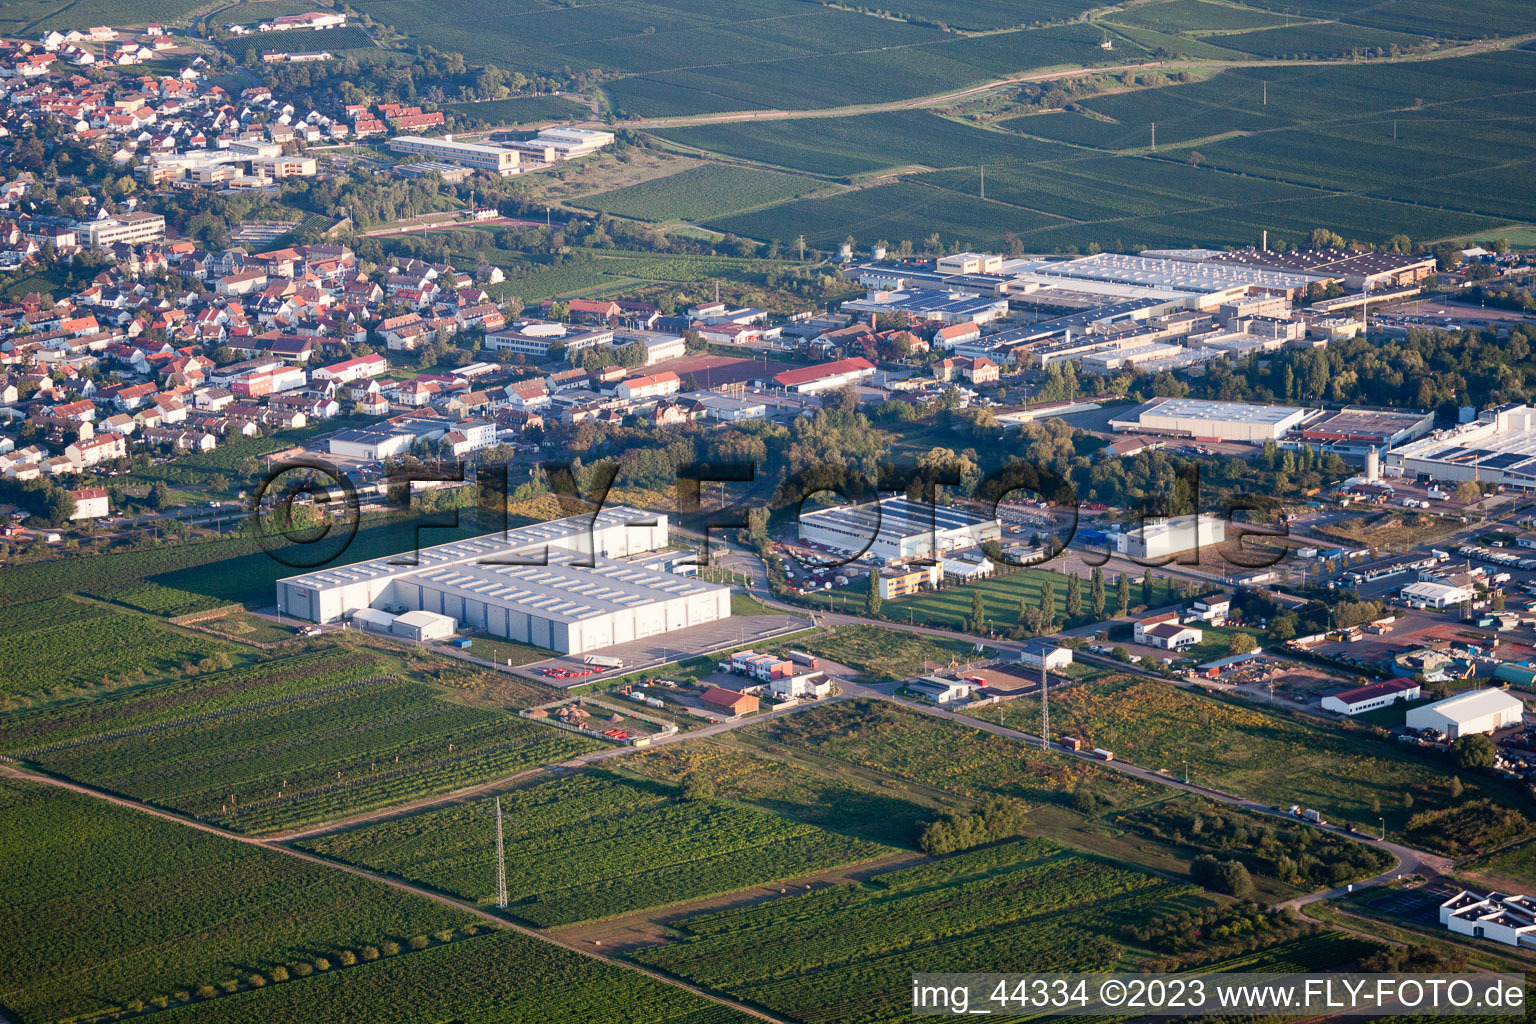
[[1045, 706], [1154, 136], [501, 862], [983, 169]]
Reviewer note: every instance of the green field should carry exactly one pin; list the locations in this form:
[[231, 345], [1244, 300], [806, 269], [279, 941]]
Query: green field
[[104, 907], [1267, 757], [1001, 596], [594, 845], [847, 953], [880, 652], [1199, 16], [1248, 150], [294, 742], [944, 755], [843, 147], [671, 57], [491, 979], [700, 193], [62, 647], [834, 800], [232, 568]]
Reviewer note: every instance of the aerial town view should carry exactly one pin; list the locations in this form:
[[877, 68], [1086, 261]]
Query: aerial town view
[[681, 512]]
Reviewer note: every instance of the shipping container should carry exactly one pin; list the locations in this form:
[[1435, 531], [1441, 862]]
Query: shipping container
[[1108, 755], [603, 661]]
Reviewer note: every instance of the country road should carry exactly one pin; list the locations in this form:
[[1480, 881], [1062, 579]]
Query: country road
[[1409, 859]]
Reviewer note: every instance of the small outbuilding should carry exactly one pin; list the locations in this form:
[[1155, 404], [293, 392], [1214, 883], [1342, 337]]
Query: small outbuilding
[[422, 625]]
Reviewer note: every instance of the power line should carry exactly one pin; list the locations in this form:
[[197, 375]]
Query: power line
[[501, 862], [1045, 705]]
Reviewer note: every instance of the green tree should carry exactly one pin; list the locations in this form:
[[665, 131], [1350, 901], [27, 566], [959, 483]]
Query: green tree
[[1456, 787], [1074, 596], [1048, 605], [1242, 643], [1096, 593], [872, 595], [159, 495], [977, 622], [1122, 594], [697, 786], [1146, 588], [1475, 751]]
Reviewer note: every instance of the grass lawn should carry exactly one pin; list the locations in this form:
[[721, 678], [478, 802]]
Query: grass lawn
[[508, 652], [1268, 757], [950, 607], [880, 653]]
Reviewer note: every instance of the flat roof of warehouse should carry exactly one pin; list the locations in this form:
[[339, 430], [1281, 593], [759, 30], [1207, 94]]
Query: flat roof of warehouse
[[561, 591], [1361, 421], [1200, 409], [473, 549], [898, 517]]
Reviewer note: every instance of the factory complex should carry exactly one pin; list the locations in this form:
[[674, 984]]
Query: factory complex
[[894, 529], [1499, 447], [561, 585]]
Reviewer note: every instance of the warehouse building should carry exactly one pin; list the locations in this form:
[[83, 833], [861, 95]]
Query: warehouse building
[[897, 528], [1362, 429], [495, 159], [810, 380], [1476, 711], [1204, 420], [530, 585], [1509, 918], [1369, 698], [1157, 539], [1498, 448]]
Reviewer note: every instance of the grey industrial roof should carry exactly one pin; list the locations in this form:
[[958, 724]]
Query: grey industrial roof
[[560, 591], [898, 517], [522, 541]]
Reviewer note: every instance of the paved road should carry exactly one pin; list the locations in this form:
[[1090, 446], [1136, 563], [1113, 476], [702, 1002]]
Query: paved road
[[468, 908], [1409, 860]]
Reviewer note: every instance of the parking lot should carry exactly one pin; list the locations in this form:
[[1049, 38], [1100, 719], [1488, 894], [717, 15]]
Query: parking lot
[[676, 645]]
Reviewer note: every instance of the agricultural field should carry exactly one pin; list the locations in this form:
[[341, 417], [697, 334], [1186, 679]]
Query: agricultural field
[[1320, 41], [520, 110], [932, 752], [900, 210], [62, 647], [595, 845], [229, 569], [30, 17], [1267, 757], [1247, 150], [153, 599], [287, 749], [835, 800], [767, 53], [845, 147], [1195, 16], [846, 953], [106, 908], [490, 979], [700, 193]]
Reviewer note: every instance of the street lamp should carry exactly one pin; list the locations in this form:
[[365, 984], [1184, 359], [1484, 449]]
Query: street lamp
[[1383, 829]]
